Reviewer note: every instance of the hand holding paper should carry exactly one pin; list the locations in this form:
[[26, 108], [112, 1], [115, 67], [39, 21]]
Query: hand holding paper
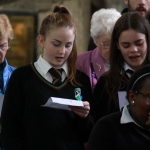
[[81, 111], [62, 103]]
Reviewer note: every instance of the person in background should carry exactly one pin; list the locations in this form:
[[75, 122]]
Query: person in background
[[140, 6], [129, 51], [95, 63], [130, 128], [29, 120], [6, 35]]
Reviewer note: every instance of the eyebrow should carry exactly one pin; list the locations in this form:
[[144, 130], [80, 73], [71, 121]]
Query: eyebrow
[[56, 40], [129, 42], [61, 42]]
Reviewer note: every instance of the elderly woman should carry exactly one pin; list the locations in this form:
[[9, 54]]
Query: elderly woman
[[130, 127], [95, 63]]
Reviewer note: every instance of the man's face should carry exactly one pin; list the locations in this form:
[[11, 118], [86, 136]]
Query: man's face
[[141, 6]]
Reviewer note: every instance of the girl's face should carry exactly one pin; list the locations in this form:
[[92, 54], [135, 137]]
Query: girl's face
[[57, 46], [140, 109], [133, 47]]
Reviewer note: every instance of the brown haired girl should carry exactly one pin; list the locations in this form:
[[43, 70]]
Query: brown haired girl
[[28, 120]]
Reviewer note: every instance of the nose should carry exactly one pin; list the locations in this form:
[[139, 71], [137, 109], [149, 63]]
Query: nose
[[62, 50], [142, 2], [133, 48]]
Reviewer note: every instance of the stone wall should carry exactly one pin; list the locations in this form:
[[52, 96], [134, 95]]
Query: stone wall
[[118, 4]]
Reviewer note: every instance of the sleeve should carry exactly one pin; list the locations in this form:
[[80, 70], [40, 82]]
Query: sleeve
[[12, 113], [99, 102], [85, 125], [101, 137]]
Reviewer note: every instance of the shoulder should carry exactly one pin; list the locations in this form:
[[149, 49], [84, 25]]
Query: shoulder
[[81, 76], [24, 70], [113, 118], [83, 61], [89, 53], [84, 55], [106, 125], [102, 80]]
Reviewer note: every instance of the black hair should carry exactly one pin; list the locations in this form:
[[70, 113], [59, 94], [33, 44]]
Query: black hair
[[138, 79], [125, 10]]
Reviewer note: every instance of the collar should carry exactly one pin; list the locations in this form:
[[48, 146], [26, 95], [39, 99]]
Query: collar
[[126, 67], [126, 117], [45, 66]]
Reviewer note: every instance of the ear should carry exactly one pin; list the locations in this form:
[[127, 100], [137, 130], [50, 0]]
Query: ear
[[41, 40], [95, 41], [131, 97], [126, 2]]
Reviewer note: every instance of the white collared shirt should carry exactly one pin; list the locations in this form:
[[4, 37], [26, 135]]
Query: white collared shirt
[[126, 117], [126, 67], [43, 67]]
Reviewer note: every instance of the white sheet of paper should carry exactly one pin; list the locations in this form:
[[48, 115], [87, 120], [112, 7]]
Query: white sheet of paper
[[122, 99], [1, 103], [62, 103]]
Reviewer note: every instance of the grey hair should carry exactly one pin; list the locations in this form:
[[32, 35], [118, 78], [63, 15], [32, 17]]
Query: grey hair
[[103, 21]]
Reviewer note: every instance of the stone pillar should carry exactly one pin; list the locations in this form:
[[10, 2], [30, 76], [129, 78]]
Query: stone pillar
[[82, 13], [118, 4]]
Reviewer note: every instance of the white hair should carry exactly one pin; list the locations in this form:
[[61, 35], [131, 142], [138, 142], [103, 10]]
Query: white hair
[[103, 21]]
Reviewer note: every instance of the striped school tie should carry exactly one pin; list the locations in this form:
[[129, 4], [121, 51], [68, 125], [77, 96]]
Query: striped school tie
[[56, 76]]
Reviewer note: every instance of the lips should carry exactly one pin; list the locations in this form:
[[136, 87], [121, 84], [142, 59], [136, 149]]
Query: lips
[[59, 59], [134, 58], [141, 9]]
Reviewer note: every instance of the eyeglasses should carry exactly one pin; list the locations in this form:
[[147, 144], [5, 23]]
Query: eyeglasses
[[4, 48], [106, 45], [147, 96]]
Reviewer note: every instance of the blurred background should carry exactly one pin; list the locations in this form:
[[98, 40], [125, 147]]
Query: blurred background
[[27, 15]]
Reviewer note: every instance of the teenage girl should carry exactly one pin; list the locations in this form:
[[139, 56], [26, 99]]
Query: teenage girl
[[129, 51], [28, 120]]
